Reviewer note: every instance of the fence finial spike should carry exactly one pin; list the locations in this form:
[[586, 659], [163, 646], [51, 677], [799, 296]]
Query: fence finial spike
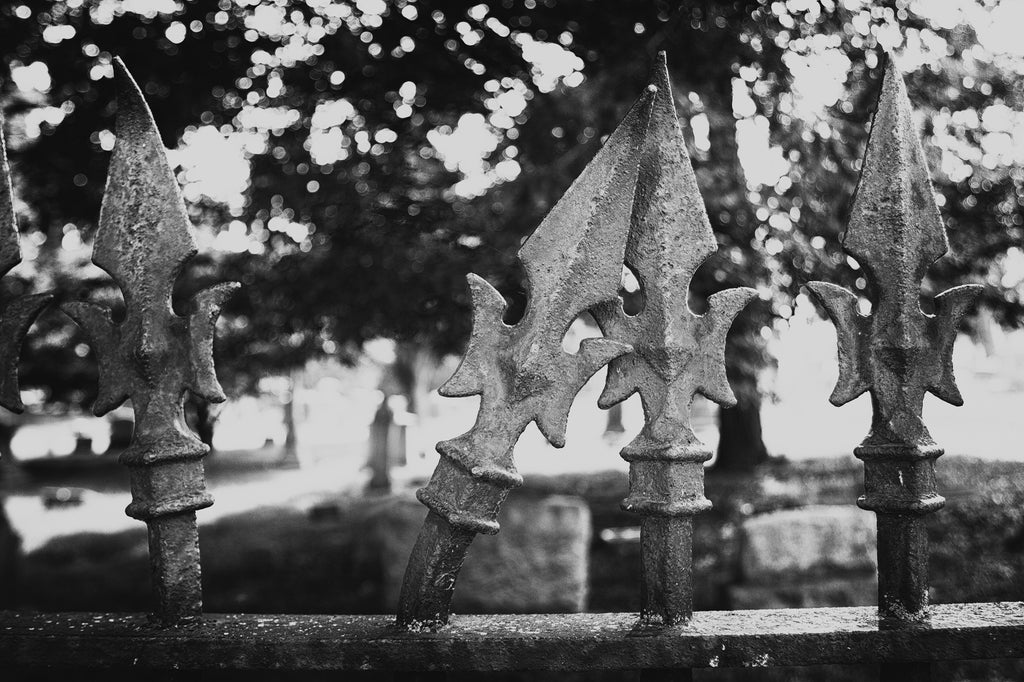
[[154, 356], [676, 354], [898, 353], [675, 351], [573, 261], [18, 314]]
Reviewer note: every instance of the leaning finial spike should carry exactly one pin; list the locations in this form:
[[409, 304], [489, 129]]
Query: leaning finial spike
[[573, 261]]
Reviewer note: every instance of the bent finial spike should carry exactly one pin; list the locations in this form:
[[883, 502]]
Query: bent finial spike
[[573, 261]]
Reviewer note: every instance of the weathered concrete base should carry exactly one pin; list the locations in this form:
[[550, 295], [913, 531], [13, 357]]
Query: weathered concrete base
[[587, 641]]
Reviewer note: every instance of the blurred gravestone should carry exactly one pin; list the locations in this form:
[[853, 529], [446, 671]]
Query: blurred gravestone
[[387, 447], [538, 563], [380, 464], [811, 556]]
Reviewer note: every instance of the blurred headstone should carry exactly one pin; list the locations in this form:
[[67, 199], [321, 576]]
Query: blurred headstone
[[812, 556], [538, 563], [379, 464], [387, 442], [83, 445]]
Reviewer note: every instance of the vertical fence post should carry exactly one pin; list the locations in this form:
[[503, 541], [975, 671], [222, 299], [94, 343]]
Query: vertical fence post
[[898, 353], [572, 262], [154, 355], [676, 355]]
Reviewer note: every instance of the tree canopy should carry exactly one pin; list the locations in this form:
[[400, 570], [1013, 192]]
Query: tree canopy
[[384, 149]]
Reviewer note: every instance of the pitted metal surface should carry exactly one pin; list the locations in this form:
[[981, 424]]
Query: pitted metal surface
[[154, 356], [676, 354], [573, 262], [897, 353]]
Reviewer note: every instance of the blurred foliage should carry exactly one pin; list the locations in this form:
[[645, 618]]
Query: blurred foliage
[[353, 226]]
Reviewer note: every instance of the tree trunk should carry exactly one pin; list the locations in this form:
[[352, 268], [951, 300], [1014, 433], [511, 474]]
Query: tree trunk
[[740, 445], [10, 472], [205, 421], [10, 562], [10, 543], [290, 454]]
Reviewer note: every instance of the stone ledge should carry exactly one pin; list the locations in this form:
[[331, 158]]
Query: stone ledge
[[768, 638]]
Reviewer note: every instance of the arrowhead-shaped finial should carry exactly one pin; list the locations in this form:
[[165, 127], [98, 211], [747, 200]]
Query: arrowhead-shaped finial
[[676, 354], [898, 353], [895, 229], [154, 356], [895, 233]]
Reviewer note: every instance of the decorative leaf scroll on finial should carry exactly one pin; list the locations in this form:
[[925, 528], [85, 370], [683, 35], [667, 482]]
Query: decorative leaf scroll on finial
[[676, 355], [898, 353], [573, 262], [154, 356], [19, 313]]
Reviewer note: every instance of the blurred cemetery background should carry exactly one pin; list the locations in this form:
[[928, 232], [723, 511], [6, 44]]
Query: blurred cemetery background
[[350, 162]]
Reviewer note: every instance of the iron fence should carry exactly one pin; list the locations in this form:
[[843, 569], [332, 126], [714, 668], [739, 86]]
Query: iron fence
[[636, 203]]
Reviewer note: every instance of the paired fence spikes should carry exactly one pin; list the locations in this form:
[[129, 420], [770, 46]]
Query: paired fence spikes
[[676, 355], [573, 262], [19, 313], [898, 353], [154, 356]]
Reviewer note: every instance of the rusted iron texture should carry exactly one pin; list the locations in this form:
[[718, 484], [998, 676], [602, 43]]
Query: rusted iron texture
[[676, 354], [154, 356], [897, 353], [586, 641], [572, 262], [18, 313]]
